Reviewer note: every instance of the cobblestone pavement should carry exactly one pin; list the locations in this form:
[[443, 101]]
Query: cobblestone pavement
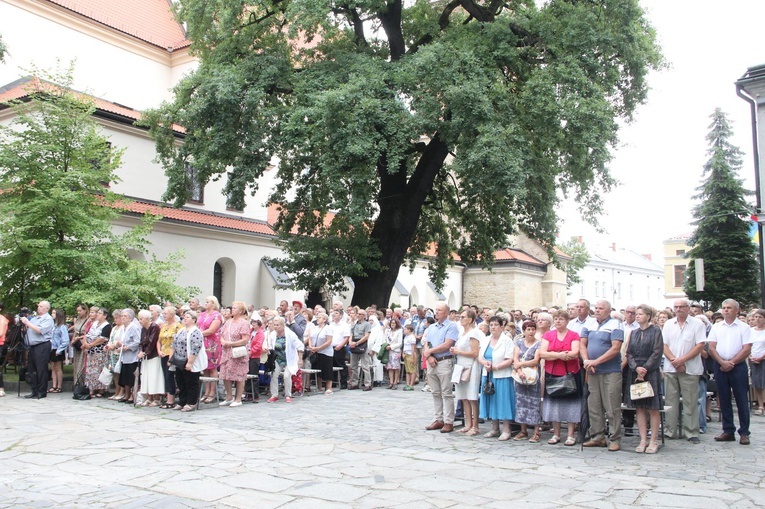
[[351, 449]]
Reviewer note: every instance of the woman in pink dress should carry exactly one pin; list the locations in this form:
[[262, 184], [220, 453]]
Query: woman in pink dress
[[235, 333], [209, 323]]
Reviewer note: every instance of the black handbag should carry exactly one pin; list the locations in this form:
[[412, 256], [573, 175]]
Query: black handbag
[[178, 363], [488, 386], [81, 391], [560, 386], [270, 362]]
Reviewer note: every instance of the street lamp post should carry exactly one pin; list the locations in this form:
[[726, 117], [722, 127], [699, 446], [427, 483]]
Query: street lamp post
[[751, 88]]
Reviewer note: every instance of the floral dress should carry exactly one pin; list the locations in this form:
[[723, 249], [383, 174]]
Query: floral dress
[[234, 370], [212, 342]]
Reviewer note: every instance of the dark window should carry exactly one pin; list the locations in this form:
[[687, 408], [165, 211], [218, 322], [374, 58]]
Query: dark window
[[680, 252], [194, 186], [217, 280], [679, 276]]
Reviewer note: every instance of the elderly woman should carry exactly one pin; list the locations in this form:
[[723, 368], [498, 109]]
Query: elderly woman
[[528, 396], [466, 350], [59, 344], [189, 352], [644, 357], [235, 333], [289, 359], [156, 314], [496, 357], [560, 351], [757, 360], [209, 322], [94, 342], [114, 353], [544, 324], [129, 348], [152, 377], [320, 345], [167, 332]]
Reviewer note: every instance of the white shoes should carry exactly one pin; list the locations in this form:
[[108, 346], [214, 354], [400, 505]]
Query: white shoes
[[226, 403], [235, 403], [328, 392], [426, 388], [2, 393]]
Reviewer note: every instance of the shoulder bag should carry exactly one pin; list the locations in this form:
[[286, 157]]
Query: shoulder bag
[[530, 375], [560, 386]]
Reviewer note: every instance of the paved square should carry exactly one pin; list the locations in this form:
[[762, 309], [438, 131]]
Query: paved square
[[350, 449]]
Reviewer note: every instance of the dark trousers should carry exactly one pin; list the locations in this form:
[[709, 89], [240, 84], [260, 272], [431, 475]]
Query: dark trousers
[[338, 361], [735, 381], [39, 356], [169, 377], [188, 387], [255, 370]]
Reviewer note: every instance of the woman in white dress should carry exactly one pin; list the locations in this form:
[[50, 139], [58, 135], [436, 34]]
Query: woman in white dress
[[466, 352]]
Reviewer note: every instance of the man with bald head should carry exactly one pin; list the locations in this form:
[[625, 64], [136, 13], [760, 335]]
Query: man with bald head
[[600, 350], [441, 336], [39, 334]]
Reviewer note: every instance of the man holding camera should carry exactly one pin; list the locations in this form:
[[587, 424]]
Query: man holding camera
[[39, 334]]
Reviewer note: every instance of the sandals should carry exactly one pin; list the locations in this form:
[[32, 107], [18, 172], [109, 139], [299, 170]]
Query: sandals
[[521, 436], [188, 408], [652, 448], [641, 447], [167, 406], [471, 432], [534, 438], [570, 441], [491, 434], [154, 403], [464, 430], [554, 440]]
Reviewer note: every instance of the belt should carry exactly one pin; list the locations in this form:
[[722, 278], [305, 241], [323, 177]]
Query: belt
[[444, 358]]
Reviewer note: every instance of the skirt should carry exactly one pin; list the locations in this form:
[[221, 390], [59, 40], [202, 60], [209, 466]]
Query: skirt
[[127, 374], [54, 357], [152, 377], [528, 404], [324, 364], [95, 361], [500, 405], [394, 360], [469, 390], [758, 375], [233, 370], [213, 350]]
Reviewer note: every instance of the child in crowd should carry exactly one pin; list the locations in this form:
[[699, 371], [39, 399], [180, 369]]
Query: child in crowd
[[410, 363]]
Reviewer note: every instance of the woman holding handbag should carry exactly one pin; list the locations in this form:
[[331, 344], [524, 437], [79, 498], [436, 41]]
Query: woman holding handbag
[[466, 351], [496, 358], [527, 386], [560, 351], [235, 358], [644, 360], [189, 352]]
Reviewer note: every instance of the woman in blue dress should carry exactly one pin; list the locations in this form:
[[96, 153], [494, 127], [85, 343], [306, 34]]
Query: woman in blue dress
[[496, 359]]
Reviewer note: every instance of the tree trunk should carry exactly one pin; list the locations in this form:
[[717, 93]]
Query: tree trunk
[[396, 225]]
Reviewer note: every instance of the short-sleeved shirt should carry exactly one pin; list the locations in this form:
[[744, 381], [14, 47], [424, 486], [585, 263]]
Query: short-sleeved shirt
[[438, 333], [599, 341], [730, 338], [576, 325], [46, 325], [682, 340], [338, 331], [360, 329]]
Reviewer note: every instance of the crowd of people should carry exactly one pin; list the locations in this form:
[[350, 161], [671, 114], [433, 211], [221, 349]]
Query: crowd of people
[[548, 367]]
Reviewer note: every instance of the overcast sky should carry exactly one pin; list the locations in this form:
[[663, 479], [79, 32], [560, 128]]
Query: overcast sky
[[708, 46]]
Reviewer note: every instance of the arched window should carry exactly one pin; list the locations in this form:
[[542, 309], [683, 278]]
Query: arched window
[[217, 281]]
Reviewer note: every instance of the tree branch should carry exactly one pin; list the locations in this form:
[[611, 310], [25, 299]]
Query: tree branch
[[443, 22], [391, 23]]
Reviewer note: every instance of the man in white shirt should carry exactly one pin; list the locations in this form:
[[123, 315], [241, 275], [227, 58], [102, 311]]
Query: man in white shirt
[[684, 340], [581, 318], [729, 346], [629, 319], [341, 334]]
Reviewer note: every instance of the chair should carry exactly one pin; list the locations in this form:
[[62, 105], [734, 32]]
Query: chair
[[202, 381]]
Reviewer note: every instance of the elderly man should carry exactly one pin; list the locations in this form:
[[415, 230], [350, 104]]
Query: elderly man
[[295, 320], [581, 317], [39, 334], [629, 319], [440, 338], [600, 349], [360, 359], [730, 344], [684, 340], [340, 333]]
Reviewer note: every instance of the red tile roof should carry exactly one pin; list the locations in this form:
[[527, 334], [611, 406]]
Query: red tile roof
[[509, 254], [24, 87], [151, 21], [197, 217]]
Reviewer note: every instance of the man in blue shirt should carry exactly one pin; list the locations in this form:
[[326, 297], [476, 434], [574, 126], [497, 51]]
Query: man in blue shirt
[[441, 336], [39, 334], [600, 350]]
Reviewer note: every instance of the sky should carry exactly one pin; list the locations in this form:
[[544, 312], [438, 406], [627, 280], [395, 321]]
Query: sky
[[708, 45]]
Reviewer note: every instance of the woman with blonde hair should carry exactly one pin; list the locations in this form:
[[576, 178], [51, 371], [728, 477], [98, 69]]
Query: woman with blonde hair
[[167, 331], [235, 335], [209, 322]]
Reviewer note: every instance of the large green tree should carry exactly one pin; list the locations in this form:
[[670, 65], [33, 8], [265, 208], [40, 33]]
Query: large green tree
[[405, 128], [721, 237], [576, 249], [56, 211]]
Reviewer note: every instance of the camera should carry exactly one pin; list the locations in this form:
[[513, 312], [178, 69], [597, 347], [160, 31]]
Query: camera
[[24, 313]]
